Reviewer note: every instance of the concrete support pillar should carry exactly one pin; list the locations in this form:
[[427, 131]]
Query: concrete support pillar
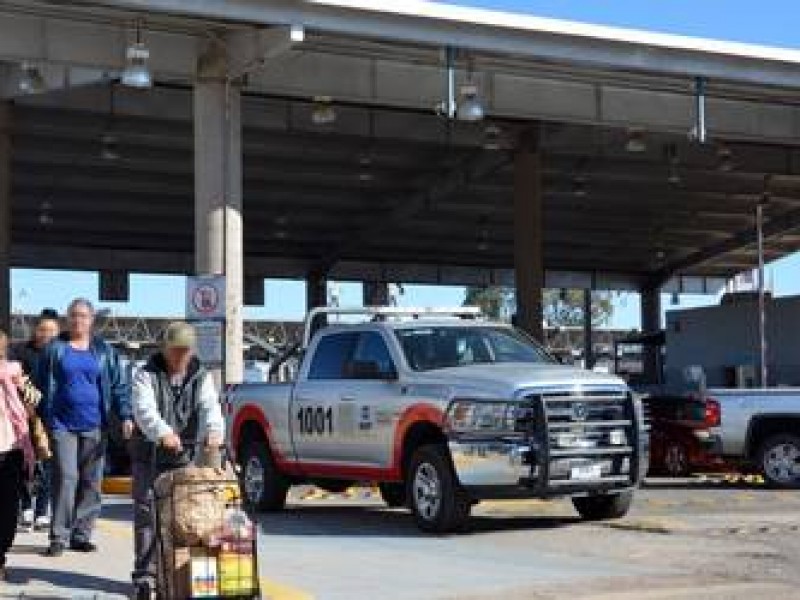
[[376, 293], [218, 193], [5, 216], [528, 246], [316, 291], [651, 323], [588, 346]]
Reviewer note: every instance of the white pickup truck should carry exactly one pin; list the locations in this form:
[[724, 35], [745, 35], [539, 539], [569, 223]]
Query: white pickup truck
[[442, 409], [760, 428]]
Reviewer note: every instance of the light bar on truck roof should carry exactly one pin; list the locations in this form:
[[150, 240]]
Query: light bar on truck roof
[[380, 313]]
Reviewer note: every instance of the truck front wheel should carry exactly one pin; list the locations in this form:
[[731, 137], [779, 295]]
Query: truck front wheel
[[600, 508], [439, 503], [263, 486], [779, 459]]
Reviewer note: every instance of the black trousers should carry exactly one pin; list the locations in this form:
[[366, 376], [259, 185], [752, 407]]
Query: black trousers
[[11, 482]]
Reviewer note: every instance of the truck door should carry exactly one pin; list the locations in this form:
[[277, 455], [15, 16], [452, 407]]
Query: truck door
[[314, 411], [370, 404]]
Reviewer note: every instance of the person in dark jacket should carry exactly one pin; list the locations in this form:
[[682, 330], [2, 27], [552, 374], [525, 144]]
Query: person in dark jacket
[[35, 502], [176, 406], [84, 388]]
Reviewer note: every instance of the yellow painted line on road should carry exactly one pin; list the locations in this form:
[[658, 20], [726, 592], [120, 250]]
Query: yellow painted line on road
[[271, 589], [274, 590]]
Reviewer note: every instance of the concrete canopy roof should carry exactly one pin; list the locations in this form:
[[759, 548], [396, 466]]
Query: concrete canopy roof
[[390, 191]]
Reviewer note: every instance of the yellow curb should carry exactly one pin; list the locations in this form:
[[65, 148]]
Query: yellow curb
[[273, 590], [117, 486]]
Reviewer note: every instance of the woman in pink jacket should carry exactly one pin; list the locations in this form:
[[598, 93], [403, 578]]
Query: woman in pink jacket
[[16, 451]]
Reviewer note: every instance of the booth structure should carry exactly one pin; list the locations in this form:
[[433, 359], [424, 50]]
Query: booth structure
[[387, 142]]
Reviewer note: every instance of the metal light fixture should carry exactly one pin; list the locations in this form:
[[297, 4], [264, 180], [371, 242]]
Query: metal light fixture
[[137, 73], [636, 142], [725, 158], [109, 141], [579, 189], [109, 147], [674, 177], [45, 213], [470, 106], [31, 80], [323, 112], [493, 138]]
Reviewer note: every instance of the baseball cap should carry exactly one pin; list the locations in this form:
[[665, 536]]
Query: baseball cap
[[180, 335]]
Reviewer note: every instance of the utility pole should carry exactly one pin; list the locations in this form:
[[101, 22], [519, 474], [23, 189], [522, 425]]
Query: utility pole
[[762, 307]]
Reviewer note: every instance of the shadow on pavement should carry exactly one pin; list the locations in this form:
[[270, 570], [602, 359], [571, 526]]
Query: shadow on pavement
[[117, 511], [664, 483], [380, 522], [29, 548], [76, 582]]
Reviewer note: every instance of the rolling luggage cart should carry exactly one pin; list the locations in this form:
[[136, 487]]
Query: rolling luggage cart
[[206, 543]]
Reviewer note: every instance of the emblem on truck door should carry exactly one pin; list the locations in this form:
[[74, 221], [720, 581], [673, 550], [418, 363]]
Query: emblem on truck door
[[579, 411]]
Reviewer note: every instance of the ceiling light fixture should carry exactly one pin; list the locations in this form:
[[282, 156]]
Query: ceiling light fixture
[[109, 147], [323, 111], [636, 142], [674, 177], [31, 80], [493, 138], [137, 73], [725, 158], [579, 189], [470, 107]]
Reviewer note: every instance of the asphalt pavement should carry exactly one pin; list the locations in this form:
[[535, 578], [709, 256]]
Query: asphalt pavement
[[694, 539]]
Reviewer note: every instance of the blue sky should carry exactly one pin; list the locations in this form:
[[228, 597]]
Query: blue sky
[[770, 22]]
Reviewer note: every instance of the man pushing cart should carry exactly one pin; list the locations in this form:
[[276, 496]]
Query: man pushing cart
[[174, 400]]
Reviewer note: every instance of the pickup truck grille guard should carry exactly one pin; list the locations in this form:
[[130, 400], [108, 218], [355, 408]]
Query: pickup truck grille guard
[[590, 429], [565, 441]]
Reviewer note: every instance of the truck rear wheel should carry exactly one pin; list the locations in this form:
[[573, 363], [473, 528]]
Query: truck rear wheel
[[263, 486], [393, 494], [600, 508], [439, 503], [779, 459]]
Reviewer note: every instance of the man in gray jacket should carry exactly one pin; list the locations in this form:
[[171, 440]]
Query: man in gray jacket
[[176, 408]]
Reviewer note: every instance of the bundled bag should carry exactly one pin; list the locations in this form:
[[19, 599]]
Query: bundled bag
[[30, 397], [192, 502]]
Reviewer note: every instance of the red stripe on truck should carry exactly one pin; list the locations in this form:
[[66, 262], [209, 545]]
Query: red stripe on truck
[[414, 414]]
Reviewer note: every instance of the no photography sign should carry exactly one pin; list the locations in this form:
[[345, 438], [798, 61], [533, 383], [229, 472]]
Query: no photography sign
[[205, 297]]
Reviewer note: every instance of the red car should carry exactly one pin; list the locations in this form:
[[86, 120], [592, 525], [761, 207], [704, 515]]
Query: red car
[[679, 439]]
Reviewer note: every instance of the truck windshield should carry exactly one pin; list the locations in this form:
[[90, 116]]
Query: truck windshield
[[428, 348]]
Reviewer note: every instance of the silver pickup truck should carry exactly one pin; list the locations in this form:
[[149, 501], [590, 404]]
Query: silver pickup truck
[[442, 409], [760, 428]]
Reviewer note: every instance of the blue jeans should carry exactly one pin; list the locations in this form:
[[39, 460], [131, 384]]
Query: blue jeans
[[76, 484]]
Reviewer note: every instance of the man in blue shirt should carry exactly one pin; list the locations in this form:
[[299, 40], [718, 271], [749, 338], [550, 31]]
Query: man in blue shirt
[[83, 387]]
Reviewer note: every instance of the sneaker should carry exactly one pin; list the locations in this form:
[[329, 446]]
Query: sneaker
[[42, 523], [82, 546], [142, 591], [54, 549], [26, 520]]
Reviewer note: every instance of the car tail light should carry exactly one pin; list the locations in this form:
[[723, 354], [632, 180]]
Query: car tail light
[[713, 413]]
